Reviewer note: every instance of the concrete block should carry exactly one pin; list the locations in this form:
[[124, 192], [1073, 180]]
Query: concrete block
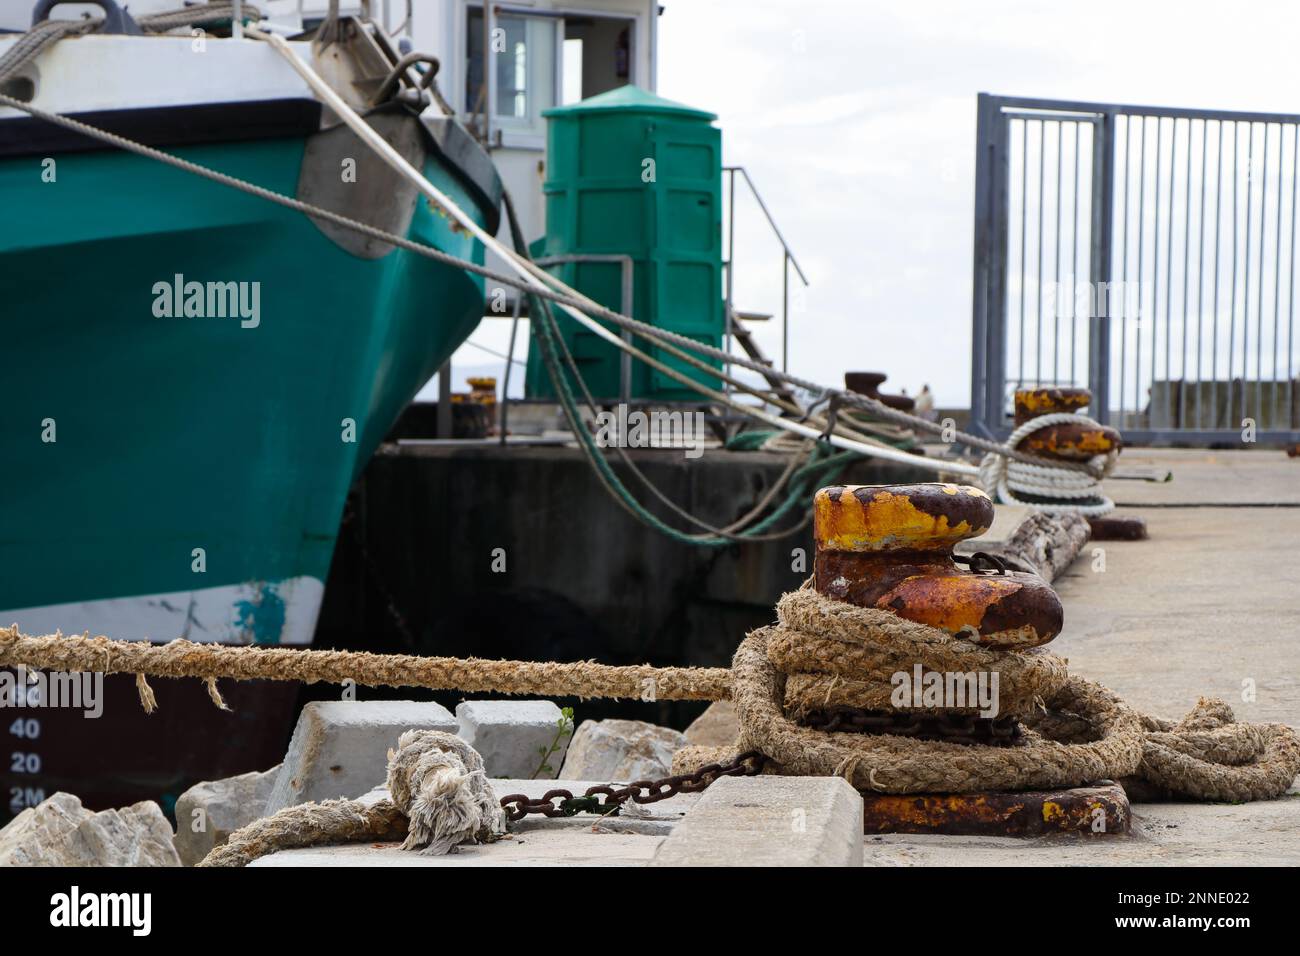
[[512, 735], [207, 813], [340, 748], [769, 821]]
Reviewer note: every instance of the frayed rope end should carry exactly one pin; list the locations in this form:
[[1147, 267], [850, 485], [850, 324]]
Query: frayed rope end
[[147, 699], [211, 684]]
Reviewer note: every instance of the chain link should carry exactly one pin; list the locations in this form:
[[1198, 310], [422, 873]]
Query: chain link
[[958, 728], [562, 803]]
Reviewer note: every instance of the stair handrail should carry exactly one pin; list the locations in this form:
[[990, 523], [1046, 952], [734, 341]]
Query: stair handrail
[[788, 259]]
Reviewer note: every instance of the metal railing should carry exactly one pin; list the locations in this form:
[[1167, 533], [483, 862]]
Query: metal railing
[[1146, 252], [787, 260], [626, 292]]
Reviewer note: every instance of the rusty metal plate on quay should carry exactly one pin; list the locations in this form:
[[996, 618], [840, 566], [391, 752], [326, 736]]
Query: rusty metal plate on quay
[[1100, 809]]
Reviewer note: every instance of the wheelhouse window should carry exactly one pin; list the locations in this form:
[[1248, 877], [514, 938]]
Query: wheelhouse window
[[523, 57]]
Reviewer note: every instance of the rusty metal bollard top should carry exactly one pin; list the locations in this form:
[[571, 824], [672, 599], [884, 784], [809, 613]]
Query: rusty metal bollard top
[[890, 547], [1071, 441]]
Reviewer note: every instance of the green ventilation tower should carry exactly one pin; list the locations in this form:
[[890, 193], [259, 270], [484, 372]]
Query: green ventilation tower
[[630, 173]]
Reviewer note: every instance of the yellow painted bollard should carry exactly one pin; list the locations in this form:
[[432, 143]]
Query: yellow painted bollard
[[890, 547], [1075, 442], [1072, 442]]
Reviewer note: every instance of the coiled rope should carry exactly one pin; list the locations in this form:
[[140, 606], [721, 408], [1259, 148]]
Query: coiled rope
[[1075, 731]]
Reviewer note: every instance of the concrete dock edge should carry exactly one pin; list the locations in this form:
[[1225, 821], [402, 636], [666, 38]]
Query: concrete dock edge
[[769, 821]]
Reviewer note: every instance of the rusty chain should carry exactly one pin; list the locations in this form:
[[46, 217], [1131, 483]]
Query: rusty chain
[[519, 805], [956, 728]]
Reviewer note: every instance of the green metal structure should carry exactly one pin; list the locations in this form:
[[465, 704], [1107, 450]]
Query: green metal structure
[[633, 174]]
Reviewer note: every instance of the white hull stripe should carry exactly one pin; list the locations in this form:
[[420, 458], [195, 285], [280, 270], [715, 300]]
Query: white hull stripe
[[95, 72], [274, 612]]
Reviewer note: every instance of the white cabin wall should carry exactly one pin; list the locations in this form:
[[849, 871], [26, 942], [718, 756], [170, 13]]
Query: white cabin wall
[[439, 29]]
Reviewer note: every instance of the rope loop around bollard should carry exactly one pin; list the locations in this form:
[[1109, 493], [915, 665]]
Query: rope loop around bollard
[[1050, 490], [1076, 731]]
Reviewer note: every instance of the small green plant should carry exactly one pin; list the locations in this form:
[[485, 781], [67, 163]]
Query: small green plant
[[563, 728]]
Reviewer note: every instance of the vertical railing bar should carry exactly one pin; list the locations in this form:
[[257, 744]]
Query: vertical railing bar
[[1056, 260], [1169, 274], [1200, 277], [1232, 301], [1277, 253], [982, 265], [1259, 292], [1024, 242], [504, 423], [1123, 328], [1155, 282], [1245, 292], [1000, 204], [1101, 240], [1290, 318], [1074, 254], [1137, 321], [1025, 234], [1187, 251], [1038, 275], [731, 270], [1214, 316]]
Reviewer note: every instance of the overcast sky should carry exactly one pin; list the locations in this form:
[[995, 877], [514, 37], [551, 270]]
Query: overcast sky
[[857, 122]]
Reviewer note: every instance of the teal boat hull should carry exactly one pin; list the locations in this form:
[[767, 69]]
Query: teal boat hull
[[174, 476]]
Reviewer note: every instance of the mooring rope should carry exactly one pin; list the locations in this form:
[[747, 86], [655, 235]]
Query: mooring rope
[[821, 651], [208, 662], [578, 305]]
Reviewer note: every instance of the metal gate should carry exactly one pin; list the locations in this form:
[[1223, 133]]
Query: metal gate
[[1146, 253]]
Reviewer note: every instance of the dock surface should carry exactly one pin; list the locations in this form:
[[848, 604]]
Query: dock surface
[[1209, 601]]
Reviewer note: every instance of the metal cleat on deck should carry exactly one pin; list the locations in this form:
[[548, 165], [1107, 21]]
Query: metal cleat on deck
[[891, 547]]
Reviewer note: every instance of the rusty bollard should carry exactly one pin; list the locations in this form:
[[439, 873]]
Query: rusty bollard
[[1070, 441], [868, 384], [1074, 442], [891, 547]]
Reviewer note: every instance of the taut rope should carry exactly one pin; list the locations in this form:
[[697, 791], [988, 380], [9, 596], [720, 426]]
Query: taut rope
[[820, 652], [208, 662]]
